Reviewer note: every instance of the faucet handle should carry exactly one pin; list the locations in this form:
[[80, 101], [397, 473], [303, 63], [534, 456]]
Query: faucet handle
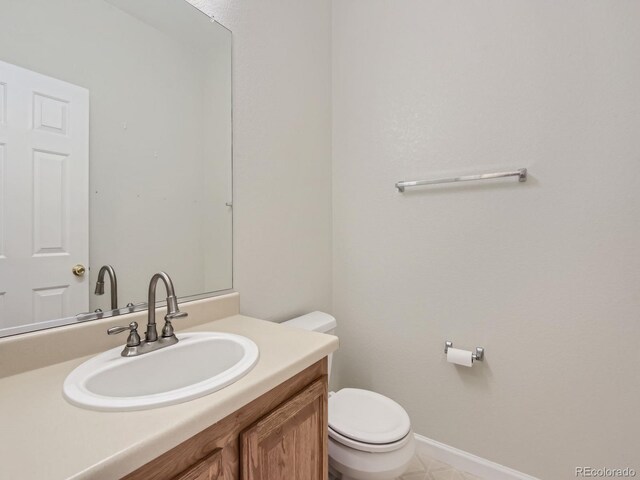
[[171, 316], [134, 339], [167, 330]]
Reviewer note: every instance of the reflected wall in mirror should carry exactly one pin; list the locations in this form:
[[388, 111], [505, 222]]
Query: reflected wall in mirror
[[115, 149]]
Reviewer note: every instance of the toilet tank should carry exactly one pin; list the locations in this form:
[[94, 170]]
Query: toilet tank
[[315, 322]]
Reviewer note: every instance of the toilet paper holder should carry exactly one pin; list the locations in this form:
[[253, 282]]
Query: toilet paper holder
[[479, 355]]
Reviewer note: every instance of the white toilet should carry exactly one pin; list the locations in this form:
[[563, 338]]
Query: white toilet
[[370, 435]]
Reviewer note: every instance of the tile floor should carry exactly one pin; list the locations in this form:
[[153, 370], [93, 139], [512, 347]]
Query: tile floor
[[425, 468]]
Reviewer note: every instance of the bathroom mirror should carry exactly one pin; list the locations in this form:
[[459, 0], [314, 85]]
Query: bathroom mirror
[[115, 149]]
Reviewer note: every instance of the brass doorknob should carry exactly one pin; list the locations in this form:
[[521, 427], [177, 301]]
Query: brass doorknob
[[78, 270]]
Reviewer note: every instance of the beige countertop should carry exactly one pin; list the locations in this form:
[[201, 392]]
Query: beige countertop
[[44, 437]]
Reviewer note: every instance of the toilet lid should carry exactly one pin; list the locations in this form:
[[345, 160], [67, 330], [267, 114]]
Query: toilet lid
[[367, 417]]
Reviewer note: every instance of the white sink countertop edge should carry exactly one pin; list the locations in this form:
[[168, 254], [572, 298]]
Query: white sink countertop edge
[[50, 438]]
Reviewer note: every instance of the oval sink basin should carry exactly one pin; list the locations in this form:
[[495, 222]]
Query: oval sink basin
[[199, 364]]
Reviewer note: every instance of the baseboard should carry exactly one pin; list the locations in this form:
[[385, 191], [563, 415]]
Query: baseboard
[[467, 462]]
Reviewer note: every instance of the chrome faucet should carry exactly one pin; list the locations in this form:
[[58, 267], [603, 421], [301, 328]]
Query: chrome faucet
[[113, 285], [135, 346]]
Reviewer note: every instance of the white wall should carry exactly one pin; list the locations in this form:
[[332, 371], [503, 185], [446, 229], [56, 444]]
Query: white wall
[[545, 275], [281, 153]]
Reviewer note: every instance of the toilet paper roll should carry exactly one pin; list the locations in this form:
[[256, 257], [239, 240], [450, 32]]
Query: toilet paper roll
[[460, 357]]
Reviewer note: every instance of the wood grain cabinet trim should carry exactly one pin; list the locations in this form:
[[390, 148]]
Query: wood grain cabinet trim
[[291, 441], [210, 468]]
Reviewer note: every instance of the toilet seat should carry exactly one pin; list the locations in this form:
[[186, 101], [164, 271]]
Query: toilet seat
[[369, 447], [367, 421]]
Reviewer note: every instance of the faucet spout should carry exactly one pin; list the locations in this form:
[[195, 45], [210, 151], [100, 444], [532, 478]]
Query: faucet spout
[[173, 311], [113, 284]]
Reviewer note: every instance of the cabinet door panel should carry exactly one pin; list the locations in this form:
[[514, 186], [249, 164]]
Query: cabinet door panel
[[291, 441], [209, 468]]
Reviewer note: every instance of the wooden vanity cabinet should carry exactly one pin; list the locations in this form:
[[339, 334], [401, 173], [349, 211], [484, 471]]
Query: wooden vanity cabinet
[[291, 441], [281, 435]]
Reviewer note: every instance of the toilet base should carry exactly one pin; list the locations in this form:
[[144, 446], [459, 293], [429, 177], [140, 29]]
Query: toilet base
[[349, 464]]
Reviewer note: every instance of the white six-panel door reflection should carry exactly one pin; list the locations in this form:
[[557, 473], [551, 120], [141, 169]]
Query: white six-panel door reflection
[[44, 183]]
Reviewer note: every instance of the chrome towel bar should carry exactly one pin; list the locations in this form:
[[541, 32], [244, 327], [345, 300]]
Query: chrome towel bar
[[520, 173]]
